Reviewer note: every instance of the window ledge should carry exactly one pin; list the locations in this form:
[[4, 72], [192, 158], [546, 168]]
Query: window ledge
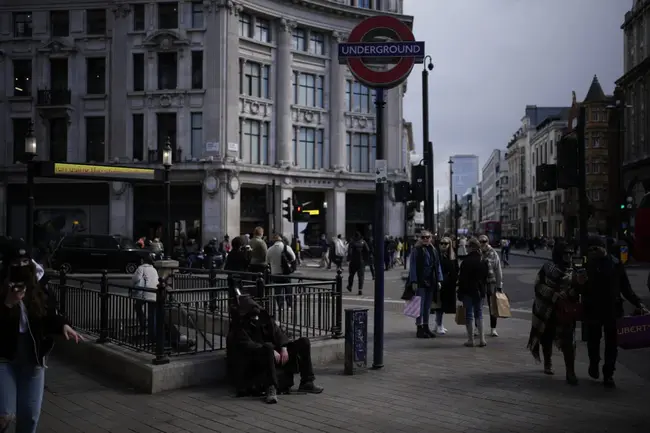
[[257, 99], [196, 91], [360, 113], [196, 30], [92, 37], [257, 41], [22, 98], [307, 107], [94, 96], [136, 32], [307, 53]]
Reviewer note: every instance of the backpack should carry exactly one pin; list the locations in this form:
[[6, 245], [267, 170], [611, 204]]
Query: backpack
[[288, 266]]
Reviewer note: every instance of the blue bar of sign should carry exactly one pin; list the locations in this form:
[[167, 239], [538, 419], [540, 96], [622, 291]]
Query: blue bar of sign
[[378, 50]]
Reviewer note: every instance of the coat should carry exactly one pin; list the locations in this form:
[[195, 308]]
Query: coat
[[472, 276]]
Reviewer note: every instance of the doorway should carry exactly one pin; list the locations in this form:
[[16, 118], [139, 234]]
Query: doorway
[[58, 138]]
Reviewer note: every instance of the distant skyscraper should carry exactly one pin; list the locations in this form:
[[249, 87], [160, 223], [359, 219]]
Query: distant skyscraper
[[465, 174]]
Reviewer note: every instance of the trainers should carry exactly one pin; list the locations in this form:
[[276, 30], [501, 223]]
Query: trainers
[[494, 333], [441, 330], [310, 387], [608, 382], [271, 395], [593, 371], [475, 332]]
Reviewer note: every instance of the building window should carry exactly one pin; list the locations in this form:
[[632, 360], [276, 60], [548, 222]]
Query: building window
[[22, 24], [308, 90], [22, 77], [255, 141], [96, 76], [317, 43], [359, 98], [138, 17], [245, 25], [138, 137], [95, 138], [196, 126], [363, 4], [96, 22], [21, 128], [299, 40], [60, 24], [596, 142], [168, 15], [166, 129], [197, 69], [255, 80], [197, 15], [262, 30], [138, 72], [59, 73], [308, 147], [361, 149], [167, 71]]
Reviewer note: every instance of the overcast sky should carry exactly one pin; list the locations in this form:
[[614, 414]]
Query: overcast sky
[[494, 57]]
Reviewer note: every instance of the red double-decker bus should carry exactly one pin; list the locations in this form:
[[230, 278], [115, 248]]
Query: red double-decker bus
[[492, 229], [642, 230]]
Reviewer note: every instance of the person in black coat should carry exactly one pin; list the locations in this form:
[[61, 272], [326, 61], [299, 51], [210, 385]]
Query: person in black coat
[[445, 301], [472, 280], [607, 283], [28, 321], [358, 253], [258, 348]]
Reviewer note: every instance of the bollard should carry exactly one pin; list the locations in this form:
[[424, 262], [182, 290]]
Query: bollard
[[356, 340], [337, 311], [161, 295]]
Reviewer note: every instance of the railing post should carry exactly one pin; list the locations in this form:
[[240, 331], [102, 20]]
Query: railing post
[[337, 329], [103, 308], [63, 292], [267, 274], [161, 295], [260, 290], [212, 282]]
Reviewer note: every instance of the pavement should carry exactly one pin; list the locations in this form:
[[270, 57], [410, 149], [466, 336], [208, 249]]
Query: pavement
[[425, 385]]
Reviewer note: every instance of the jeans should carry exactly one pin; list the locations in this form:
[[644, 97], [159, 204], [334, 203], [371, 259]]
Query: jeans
[[426, 298], [358, 269], [439, 314], [473, 309], [595, 332], [283, 294], [21, 389], [145, 312]]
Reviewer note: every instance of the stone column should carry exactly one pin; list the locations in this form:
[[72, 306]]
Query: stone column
[[284, 93], [121, 209], [335, 216], [211, 80], [212, 212], [230, 125], [3, 208], [118, 144], [338, 159]]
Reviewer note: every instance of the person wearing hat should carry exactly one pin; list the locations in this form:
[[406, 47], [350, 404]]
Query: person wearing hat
[[28, 321], [607, 284]]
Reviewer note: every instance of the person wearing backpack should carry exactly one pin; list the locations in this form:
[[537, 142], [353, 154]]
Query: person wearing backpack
[[283, 262], [358, 253]]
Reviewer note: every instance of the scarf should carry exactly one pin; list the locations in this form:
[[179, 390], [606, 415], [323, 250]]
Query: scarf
[[551, 280]]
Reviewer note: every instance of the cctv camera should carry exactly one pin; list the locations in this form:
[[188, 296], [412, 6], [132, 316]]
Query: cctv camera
[[430, 66]]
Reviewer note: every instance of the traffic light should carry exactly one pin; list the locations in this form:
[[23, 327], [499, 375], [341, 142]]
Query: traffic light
[[411, 208], [459, 211], [297, 213], [287, 209]]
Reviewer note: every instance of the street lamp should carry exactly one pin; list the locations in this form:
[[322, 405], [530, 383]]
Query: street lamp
[[451, 194], [30, 154], [167, 163], [429, 217]]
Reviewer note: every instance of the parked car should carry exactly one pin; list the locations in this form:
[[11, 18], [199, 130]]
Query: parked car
[[85, 252]]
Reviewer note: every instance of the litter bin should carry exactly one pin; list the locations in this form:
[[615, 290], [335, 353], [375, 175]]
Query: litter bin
[[356, 340]]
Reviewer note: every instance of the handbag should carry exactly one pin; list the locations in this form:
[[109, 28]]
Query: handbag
[[568, 312], [412, 307], [633, 332], [500, 305], [461, 315]]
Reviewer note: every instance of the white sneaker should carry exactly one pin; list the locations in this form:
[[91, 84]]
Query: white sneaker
[[475, 332], [494, 333], [441, 330]]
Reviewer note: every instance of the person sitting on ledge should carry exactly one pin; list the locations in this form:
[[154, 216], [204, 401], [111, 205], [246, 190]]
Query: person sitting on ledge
[[261, 354]]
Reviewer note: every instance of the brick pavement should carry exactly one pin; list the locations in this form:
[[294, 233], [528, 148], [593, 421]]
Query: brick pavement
[[428, 385]]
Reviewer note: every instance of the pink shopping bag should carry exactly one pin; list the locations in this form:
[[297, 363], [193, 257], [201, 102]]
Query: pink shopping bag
[[412, 307]]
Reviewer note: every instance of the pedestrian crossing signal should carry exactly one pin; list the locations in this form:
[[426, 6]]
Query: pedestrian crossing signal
[[286, 209]]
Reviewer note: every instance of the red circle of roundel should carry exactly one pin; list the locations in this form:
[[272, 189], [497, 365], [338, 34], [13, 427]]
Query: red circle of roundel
[[381, 78]]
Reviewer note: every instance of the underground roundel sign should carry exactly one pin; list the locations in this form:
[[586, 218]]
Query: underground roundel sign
[[380, 41]]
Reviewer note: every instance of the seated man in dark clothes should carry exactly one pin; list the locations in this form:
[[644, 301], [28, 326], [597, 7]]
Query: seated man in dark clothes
[[260, 353]]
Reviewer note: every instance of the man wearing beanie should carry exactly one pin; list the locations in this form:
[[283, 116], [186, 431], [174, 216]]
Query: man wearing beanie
[[607, 285]]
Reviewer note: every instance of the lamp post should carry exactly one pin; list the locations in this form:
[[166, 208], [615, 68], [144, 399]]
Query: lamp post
[[451, 195], [167, 163], [429, 218], [30, 154]]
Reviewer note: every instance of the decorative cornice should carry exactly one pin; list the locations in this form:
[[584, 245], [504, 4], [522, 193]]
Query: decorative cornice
[[121, 10], [285, 25], [230, 5], [340, 37]]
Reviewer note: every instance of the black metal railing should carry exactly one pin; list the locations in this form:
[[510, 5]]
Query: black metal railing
[[53, 97], [190, 313]]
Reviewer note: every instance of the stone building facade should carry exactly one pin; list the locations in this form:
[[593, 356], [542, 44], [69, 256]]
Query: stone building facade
[[247, 94]]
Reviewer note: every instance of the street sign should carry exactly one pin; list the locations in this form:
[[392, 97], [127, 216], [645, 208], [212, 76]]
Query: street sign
[[381, 171], [362, 50]]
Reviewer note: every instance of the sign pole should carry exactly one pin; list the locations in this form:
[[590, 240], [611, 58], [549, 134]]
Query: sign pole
[[378, 337]]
